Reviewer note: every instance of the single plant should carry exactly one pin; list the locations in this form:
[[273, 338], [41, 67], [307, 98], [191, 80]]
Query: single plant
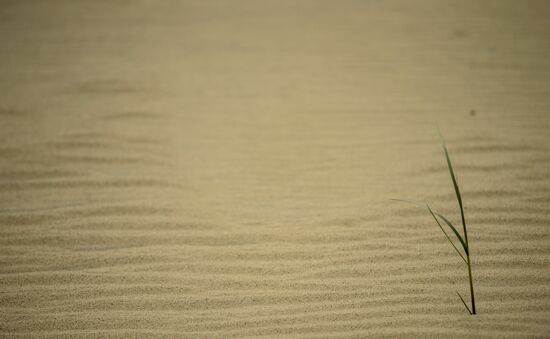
[[439, 218]]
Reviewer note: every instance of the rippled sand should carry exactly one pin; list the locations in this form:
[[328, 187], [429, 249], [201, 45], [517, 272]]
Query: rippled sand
[[223, 168]]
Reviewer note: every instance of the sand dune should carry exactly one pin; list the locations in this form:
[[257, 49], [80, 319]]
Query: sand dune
[[223, 169]]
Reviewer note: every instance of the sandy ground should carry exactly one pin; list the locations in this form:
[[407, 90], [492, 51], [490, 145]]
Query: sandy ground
[[222, 168]]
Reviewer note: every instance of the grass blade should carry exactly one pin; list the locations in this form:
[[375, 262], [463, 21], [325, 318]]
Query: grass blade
[[462, 242], [455, 184], [446, 235], [439, 218], [434, 213], [465, 305]]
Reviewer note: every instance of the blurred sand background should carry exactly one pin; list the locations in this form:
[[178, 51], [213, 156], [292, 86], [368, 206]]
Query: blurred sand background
[[222, 168]]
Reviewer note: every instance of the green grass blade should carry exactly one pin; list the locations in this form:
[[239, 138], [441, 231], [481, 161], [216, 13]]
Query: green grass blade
[[434, 214], [439, 219], [446, 235], [465, 305], [455, 184], [462, 242]]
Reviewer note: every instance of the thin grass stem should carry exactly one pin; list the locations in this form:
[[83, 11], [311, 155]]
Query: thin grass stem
[[446, 235], [462, 238], [460, 204], [462, 242], [465, 305]]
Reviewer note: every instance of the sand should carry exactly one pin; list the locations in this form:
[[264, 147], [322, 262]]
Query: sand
[[221, 169]]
